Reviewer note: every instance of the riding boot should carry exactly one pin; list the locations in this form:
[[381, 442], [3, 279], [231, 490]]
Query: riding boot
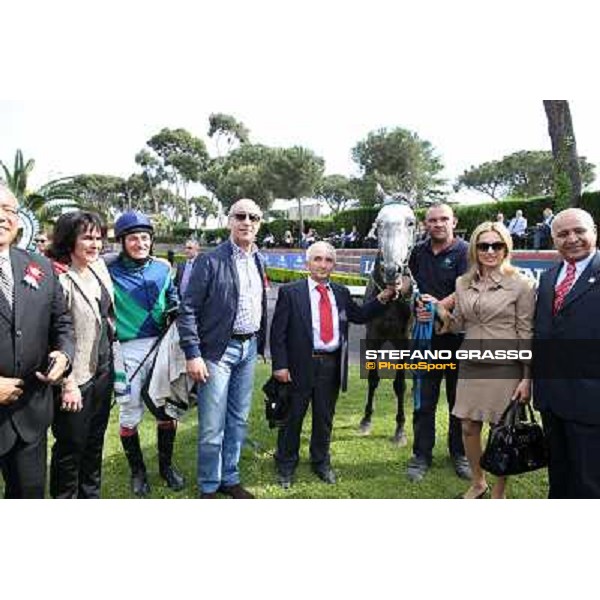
[[166, 441], [133, 452]]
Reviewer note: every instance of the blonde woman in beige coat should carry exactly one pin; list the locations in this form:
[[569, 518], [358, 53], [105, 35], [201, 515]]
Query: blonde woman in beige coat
[[494, 301]]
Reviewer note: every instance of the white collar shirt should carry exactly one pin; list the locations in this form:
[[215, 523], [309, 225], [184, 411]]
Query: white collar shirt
[[580, 267], [315, 297]]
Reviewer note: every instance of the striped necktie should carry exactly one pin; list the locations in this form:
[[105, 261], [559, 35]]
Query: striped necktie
[[6, 280], [562, 289]]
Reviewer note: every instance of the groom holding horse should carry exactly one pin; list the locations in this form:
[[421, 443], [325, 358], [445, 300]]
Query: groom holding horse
[[435, 264]]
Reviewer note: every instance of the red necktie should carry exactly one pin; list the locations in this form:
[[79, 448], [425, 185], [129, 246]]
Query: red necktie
[[325, 314], [562, 289]]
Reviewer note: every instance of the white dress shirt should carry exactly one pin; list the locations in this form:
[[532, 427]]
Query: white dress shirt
[[580, 267], [315, 297], [6, 254]]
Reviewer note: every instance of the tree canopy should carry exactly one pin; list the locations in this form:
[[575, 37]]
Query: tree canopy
[[294, 173], [225, 127], [337, 191], [400, 161], [184, 158], [523, 174], [241, 174], [48, 201]]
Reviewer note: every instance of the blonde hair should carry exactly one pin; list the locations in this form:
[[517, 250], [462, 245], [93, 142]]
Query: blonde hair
[[502, 231]]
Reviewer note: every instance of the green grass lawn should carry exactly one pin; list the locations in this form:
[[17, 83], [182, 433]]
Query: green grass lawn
[[367, 467]]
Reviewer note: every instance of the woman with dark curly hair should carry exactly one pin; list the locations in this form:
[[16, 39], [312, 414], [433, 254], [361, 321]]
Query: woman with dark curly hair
[[82, 405]]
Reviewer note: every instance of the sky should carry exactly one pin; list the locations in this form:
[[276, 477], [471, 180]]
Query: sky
[[89, 85]]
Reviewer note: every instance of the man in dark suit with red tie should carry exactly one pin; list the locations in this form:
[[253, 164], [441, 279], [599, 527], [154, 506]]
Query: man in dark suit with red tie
[[567, 325], [309, 348], [36, 346]]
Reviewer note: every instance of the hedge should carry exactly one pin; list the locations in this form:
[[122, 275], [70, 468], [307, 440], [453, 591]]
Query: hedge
[[361, 217], [277, 275], [469, 216], [279, 226]]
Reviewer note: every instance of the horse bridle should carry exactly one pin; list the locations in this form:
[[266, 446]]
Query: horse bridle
[[403, 269]]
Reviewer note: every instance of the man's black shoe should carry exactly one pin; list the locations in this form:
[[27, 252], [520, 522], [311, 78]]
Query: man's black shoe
[[236, 492], [285, 481], [172, 478], [462, 467], [417, 467], [326, 474]]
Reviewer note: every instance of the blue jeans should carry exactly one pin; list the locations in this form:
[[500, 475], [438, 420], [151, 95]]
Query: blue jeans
[[223, 408]]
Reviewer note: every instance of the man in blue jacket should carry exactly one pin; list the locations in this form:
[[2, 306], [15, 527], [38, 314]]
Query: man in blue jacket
[[222, 327]]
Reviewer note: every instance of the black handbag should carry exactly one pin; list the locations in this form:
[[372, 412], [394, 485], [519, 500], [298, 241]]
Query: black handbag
[[516, 445], [278, 402]]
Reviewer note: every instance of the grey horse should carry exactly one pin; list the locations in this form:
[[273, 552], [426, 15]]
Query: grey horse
[[396, 227]]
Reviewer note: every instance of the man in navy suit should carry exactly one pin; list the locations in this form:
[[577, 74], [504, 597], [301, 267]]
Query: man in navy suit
[[568, 314], [309, 348]]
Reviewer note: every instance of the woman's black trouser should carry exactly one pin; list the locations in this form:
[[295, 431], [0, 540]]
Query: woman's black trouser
[[76, 465]]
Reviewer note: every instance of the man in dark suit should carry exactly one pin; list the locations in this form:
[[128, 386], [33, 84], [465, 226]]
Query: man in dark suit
[[33, 320], [309, 348], [568, 314], [184, 269]]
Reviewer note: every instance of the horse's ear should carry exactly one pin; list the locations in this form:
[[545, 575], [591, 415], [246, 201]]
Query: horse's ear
[[406, 198]]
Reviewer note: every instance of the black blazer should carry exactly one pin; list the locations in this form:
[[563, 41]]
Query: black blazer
[[574, 399], [38, 324], [291, 339]]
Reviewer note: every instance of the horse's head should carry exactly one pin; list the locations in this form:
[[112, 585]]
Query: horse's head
[[396, 234]]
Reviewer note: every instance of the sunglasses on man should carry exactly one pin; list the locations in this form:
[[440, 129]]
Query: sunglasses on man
[[240, 216]]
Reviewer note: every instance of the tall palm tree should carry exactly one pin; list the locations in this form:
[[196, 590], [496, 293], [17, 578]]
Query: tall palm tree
[[49, 200]]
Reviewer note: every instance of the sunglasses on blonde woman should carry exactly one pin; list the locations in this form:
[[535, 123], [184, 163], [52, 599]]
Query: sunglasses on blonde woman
[[495, 246]]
